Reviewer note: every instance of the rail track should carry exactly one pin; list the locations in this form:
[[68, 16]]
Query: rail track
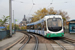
[[55, 42], [60, 45], [65, 43], [40, 39], [29, 37], [36, 46], [68, 40], [25, 43]]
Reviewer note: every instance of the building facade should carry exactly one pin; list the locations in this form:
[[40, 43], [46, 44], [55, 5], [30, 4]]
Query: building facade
[[23, 22]]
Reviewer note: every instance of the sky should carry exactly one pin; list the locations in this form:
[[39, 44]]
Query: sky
[[26, 7]]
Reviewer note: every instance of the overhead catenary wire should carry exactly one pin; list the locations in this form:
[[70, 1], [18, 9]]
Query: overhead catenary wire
[[50, 4], [31, 7], [30, 10], [18, 1]]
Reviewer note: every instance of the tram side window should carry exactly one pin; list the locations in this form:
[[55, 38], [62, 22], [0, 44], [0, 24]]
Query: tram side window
[[39, 26], [32, 27], [35, 27], [45, 25], [42, 25], [28, 27]]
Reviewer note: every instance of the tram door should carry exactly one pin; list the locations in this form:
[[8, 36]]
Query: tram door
[[42, 28]]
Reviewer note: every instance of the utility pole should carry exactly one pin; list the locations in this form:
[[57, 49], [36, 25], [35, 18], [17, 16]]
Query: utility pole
[[13, 23], [13, 19], [10, 19], [13, 16]]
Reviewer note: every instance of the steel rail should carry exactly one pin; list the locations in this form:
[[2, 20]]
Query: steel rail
[[68, 42], [61, 46], [36, 41], [36, 46], [25, 43]]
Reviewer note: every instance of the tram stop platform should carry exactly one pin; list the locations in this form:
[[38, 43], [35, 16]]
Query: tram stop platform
[[7, 42], [70, 35]]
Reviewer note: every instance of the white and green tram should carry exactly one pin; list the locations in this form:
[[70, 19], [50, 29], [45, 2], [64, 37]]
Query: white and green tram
[[49, 26]]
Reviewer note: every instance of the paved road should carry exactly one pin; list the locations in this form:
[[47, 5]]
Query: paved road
[[45, 46], [7, 42], [68, 35]]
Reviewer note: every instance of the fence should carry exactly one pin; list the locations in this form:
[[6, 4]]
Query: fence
[[4, 34], [20, 30]]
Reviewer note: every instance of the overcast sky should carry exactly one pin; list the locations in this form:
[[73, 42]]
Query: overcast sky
[[22, 7]]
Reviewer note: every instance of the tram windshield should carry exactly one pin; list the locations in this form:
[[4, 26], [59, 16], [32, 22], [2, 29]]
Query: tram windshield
[[54, 24]]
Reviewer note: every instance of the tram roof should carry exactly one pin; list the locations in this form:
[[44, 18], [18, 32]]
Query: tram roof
[[42, 20], [53, 16], [34, 23]]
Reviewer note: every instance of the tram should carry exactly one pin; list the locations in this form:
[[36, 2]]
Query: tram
[[49, 26]]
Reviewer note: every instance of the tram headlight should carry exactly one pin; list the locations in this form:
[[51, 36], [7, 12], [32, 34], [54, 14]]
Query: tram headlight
[[62, 31], [48, 32]]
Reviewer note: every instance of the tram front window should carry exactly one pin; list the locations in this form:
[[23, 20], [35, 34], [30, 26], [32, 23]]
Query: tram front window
[[54, 24]]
